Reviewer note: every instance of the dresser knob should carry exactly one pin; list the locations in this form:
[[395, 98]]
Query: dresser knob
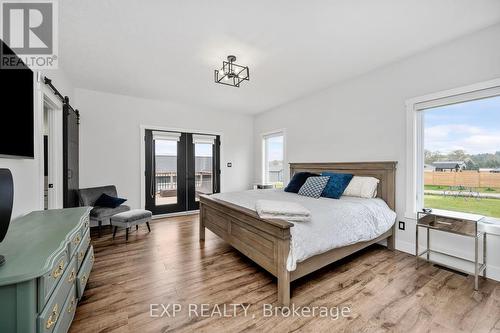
[[53, 317], [72, 276], [58, 271]]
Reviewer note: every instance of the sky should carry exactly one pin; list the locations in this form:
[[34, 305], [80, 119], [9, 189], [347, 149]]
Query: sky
[[275, 148], [471, 126]]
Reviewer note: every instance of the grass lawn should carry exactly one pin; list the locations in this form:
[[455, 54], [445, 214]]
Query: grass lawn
[[479, 189], [488, 207]]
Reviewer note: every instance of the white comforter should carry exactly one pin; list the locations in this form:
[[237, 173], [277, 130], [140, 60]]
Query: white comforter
[[334, 223]]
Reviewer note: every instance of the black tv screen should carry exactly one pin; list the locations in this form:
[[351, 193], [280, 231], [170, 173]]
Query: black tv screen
[[16, 109]]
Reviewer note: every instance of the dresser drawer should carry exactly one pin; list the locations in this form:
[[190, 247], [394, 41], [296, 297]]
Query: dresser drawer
[[77, 237], [67, 312], [48, 282], [82, 249], [75, 242], [83, 274], [52, 312], [86, 224]]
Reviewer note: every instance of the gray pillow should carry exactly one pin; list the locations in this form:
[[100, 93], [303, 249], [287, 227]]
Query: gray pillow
[[314, 186]]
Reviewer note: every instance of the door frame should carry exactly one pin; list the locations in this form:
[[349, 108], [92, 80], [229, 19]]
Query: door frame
[[44, 96], [143, 129]]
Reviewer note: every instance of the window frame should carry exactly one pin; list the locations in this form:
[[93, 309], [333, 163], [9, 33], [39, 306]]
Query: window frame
[[415, 109], [264, 137]]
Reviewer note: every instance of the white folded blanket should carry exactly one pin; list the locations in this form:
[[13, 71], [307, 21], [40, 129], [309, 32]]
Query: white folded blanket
[[284, 210]]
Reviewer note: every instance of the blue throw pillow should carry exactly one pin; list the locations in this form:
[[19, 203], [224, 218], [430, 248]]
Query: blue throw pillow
[[297, 181], [108, 201], [336, 184]]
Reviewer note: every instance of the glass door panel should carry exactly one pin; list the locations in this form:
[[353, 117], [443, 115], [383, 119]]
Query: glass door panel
[[203, 159], [203, 167], [165, 172]]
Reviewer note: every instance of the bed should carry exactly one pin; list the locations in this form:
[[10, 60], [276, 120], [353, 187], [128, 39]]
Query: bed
[[269, 243]]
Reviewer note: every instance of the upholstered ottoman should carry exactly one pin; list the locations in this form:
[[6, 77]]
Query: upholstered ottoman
[[129, 219]]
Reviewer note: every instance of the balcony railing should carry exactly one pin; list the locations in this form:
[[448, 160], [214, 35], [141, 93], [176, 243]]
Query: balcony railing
[[167, 181]]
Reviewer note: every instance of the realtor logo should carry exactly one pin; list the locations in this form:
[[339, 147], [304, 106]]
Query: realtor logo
[[29, 28]]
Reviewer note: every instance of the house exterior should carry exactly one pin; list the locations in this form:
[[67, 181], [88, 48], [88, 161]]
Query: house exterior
[[429, 167], [449, 166], [276, 171], [166, 173]]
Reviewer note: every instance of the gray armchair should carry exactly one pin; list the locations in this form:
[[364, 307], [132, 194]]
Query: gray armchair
[[100, 215]]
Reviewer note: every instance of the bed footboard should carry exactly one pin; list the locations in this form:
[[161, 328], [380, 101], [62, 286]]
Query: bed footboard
[[266, 242]]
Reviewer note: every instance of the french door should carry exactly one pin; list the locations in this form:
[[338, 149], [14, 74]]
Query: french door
[[180, 167]]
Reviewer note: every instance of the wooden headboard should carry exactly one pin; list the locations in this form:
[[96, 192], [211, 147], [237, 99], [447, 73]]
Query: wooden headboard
[[384, 171]]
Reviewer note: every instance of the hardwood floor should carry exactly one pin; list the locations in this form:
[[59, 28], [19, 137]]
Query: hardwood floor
[[381, 288]]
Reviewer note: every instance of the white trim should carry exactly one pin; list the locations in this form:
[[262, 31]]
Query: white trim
[[455, 91], [263, 137], [414, 129], [142, 157], [44, 96], [162, 216]]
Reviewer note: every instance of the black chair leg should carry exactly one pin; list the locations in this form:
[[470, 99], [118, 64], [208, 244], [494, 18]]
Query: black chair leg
[[114, 231], [136, 227], [126, 235], [99, 225], [149, 228]]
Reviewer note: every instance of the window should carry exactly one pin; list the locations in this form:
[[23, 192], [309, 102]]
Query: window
[[273, 149], [456, 151]]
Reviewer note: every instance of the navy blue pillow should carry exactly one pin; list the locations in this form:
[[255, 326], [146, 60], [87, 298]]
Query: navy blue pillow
[[298, 180], [336, 185], [108, 201]]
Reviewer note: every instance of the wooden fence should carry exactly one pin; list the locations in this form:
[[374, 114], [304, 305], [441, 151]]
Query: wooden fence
[[464, 178]]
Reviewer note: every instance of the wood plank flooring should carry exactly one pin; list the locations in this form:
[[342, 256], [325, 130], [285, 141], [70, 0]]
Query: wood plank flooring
[[382, 289]]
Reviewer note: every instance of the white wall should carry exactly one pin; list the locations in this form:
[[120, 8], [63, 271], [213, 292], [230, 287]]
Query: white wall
[[26, 171], [110, 140], [364, 119]]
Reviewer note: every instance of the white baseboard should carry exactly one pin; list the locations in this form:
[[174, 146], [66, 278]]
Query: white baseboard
[[492, 272], [189, 212]]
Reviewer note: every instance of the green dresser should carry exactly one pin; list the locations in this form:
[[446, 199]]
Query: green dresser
[[48, 261]]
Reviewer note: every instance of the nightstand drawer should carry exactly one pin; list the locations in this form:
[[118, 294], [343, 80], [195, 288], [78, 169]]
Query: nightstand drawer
[[52, 312], [48, 282], [83, 274]]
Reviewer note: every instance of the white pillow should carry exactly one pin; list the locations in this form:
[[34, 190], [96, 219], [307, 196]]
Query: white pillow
[[363, 187]]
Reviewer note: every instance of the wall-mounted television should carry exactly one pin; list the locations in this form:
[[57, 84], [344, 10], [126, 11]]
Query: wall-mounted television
[[17, 109]]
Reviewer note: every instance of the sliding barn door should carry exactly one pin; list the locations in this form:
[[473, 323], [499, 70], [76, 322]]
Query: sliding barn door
[[70, 156]]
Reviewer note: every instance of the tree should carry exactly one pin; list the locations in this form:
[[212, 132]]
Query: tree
[[458, 155], [474, 162]]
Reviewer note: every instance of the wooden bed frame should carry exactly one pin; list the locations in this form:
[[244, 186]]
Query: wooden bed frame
[[267, 242]]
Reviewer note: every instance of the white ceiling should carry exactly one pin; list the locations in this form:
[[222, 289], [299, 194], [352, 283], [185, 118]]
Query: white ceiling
[[169, 49]]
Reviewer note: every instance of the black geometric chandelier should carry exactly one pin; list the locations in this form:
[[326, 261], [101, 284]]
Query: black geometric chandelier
[[231, 74]]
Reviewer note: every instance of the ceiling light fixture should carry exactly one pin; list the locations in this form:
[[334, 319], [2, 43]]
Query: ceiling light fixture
[[231, 74]]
